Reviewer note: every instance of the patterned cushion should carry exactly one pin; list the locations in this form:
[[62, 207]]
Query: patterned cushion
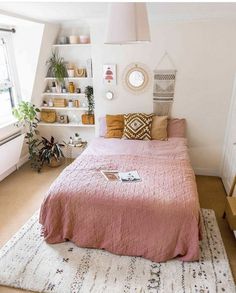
[[138, 126]]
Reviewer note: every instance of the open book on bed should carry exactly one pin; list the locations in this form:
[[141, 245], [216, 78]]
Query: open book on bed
[[115, 175]]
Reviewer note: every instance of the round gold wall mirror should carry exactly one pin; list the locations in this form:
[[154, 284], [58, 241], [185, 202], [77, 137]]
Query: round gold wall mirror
[[136, 77]]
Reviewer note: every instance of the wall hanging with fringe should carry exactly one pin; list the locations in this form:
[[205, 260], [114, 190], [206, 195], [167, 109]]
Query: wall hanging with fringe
[[164, 88]]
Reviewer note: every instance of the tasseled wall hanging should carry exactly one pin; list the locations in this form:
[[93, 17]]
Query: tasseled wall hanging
[[164, 88]]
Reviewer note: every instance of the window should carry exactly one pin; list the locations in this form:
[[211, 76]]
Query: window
[[7, 89]]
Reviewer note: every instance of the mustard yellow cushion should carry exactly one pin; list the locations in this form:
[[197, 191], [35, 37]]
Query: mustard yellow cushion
[[115, 126], [159, 127]]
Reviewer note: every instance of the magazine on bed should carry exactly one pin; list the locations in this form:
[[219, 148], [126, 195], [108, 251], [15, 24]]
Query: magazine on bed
[[115, 175]]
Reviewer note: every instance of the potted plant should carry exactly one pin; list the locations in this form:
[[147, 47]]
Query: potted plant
[[89, 117], [51, 153], [57, 68], [26, 114]]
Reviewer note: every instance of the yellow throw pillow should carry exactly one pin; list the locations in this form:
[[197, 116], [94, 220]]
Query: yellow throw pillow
[[138, 126], [115, 126], [159, 127]]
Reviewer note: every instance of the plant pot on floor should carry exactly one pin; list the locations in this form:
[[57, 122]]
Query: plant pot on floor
[[56, 162], [88, 119]]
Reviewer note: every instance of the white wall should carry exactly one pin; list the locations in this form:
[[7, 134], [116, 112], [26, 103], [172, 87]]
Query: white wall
[[204, 55]]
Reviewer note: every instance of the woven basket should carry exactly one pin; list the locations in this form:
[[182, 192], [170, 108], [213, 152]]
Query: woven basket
[[48, 116], [88, 119]]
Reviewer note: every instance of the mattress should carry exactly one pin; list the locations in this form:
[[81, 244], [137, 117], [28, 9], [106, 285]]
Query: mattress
[[156, 218]]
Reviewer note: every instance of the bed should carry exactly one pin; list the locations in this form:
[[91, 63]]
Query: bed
[[157, 218]]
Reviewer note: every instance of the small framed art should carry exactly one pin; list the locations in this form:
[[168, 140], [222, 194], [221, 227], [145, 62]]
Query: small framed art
[[109, 74]]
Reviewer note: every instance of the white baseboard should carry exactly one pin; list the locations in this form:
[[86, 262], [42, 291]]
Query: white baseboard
[[206, 172]]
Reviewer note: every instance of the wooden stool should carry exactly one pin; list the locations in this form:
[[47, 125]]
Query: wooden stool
[[230, 211]]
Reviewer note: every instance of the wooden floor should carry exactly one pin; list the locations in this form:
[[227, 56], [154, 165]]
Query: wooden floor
[[22, 192]]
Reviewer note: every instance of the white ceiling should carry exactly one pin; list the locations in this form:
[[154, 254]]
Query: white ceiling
[[69, 11]]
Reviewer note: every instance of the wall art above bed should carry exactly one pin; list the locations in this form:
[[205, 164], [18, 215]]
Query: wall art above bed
[[164, 88], [136, 78]]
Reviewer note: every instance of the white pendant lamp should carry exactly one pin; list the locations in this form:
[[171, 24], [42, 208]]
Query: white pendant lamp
[[127, 23]]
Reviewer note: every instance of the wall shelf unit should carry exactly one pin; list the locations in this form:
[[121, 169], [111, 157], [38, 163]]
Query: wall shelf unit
[[71, 45], [64, 94], [77, 57], [65, 108], [71, 124], [70, 78]]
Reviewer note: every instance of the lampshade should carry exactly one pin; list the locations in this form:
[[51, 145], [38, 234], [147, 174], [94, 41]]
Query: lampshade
[[127, 23]]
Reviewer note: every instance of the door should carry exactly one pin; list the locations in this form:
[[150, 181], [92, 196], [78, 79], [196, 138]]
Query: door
[[229, 161]]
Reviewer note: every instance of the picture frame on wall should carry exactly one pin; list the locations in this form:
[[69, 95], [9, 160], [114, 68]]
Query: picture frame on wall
[[109, 74]]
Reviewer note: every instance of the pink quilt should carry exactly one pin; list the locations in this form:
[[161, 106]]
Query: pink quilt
[[157, 218]]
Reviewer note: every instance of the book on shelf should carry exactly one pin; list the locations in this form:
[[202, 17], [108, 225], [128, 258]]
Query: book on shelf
[[89, 68], [115, 175]]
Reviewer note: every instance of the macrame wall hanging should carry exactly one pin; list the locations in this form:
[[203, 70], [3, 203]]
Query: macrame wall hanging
[[164, 86]]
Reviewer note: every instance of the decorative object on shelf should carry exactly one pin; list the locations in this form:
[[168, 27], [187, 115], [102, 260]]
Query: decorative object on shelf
[[127, 23], [62, 119], [70, 104], [164, 86], [57, 68], [78, 90], [48, 116], [89, 117], [80, 72], [53, 87], [109, 95], [26, 114], [89, 68], [136, 78], [60, 102], [63, 89], [51, 153], [71, 87], [83, 39], [71, 72], [62, 40], [77, 103], [45, 104], [109, 74], [74, 39], [50, 103]]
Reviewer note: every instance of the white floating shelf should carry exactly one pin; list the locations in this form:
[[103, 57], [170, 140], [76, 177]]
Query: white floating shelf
[[65, 108], [64, 94], [71, 124], [70, 78], [71, 45]]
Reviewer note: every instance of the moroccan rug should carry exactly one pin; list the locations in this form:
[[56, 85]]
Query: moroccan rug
[[28, 262]]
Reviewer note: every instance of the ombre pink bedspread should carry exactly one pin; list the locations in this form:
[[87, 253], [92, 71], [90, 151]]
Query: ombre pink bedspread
[[157, 218]]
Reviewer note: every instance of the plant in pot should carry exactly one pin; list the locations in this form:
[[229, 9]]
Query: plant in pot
[[57, 69], [51, 152], [89, 117], [26, 114]]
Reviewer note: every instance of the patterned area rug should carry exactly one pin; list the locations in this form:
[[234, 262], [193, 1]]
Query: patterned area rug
[[27, 262]]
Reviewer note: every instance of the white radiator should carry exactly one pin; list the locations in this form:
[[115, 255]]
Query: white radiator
[[10, 150]]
